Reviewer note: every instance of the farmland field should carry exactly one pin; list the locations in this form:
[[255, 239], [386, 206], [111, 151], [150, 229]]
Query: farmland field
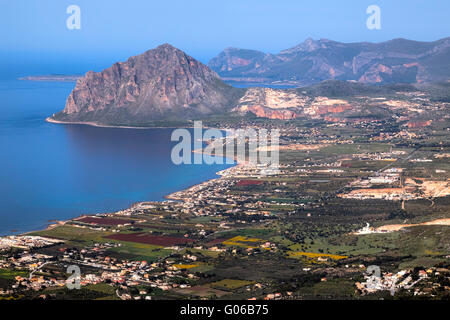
[[104, 221], [230, 284], [149, 239]]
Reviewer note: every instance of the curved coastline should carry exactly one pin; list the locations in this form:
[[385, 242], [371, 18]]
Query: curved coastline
[[171, 196], [101, 125], [96, 124]]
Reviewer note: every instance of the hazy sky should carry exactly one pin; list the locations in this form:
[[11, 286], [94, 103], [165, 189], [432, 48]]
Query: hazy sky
[[116, 29]]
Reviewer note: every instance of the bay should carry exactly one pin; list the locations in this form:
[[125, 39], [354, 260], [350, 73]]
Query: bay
[[57, 171]]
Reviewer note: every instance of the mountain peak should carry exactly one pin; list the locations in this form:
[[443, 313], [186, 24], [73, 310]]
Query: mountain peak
[[309, 45], [166, 46], [312, 61], [309, 41], [162, 83]]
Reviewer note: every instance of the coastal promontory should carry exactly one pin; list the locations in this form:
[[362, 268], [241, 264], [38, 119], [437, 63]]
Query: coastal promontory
[[161, 84]]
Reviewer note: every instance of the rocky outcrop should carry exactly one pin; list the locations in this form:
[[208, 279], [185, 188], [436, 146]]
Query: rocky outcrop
[[163, 83], [271, 103], [418, 124], [269, 113], [288, 104]]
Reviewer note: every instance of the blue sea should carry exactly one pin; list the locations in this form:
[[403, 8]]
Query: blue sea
[[58, 171]]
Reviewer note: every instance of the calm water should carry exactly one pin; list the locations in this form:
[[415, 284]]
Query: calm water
[[51, 171]]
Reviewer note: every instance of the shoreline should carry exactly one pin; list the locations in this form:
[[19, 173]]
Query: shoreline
[[53, 223], [237, 164], [100, 125], [171, 197], [175, 197]]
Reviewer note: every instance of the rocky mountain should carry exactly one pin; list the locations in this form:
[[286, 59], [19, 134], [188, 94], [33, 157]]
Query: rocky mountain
[[160, 84], [313, 61], [166, 85]]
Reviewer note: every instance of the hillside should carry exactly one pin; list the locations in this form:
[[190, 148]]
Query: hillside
[[166, 87], [313, 61], [160, 84]]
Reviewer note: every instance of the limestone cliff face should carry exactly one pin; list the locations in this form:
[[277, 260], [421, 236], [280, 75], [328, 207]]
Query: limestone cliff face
[[288, 104], [163, 83], [272, 113], [271, 103]]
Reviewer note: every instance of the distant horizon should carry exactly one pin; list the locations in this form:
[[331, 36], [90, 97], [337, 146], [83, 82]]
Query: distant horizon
[[36, 31], [205, 59], [80, 63]]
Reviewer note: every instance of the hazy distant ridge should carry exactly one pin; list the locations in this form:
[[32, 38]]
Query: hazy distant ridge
[[313, 61]]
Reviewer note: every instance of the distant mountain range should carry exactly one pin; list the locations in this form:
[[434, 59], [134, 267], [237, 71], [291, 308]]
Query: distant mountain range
[[165, 84], [313, 61]]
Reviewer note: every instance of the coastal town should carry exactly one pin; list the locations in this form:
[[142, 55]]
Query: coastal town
[[165, 249], [225, 159], [346, 196]]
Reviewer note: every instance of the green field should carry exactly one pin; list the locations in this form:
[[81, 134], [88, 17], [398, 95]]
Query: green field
[[230, 284], [12, 274]]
